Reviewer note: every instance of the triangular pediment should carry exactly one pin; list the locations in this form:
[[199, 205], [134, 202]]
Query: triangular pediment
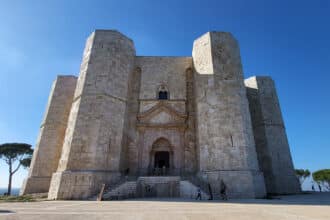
[[161, 114]]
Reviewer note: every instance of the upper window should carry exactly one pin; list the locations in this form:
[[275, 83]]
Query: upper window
[[162, 95]]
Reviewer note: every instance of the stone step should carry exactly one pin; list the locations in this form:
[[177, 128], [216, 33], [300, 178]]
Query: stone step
[[124, 190], [177, 188]]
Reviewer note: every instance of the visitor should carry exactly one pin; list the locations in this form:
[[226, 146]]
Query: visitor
[[223, 189], [210, 191], [126, 174], [164, 170], [199, 193]]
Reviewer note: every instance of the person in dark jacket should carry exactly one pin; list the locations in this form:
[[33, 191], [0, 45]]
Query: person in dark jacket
[[199, 193], [223, 190]]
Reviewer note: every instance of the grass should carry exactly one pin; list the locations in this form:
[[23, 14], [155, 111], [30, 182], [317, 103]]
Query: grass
[[17, 199]]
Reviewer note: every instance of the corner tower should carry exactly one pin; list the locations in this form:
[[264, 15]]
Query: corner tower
[[52, 130], [225, 145], [270, 137], [92, 148]]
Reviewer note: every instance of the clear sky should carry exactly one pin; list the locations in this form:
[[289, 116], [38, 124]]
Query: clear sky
[[287, 40]]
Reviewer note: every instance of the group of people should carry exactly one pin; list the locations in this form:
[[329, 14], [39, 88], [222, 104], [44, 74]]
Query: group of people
[[160, 171], [223, 192]]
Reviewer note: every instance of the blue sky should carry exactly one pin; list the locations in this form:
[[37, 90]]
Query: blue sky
[[288, 40]]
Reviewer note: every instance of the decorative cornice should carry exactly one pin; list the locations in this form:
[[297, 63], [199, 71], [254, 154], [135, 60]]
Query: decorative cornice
[[161, 105], [178, 125]]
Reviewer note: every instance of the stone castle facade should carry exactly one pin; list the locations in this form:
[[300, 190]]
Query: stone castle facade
[[160, 126]]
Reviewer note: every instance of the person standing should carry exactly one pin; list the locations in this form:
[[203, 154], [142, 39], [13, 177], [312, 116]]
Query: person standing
[[199, 193], [223, 190], [210, 191]]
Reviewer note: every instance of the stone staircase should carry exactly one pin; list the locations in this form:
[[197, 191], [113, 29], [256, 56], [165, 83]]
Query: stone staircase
[[155, 186], [123, 191], [188, 190]]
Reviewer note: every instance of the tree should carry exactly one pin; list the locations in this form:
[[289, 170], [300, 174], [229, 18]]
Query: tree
[[12, 152], [302, 174], [322, 176]]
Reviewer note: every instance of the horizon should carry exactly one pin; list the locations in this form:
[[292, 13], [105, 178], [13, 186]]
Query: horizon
[[40, 40]]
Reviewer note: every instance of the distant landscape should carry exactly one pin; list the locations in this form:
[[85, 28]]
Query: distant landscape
[[14, 191]]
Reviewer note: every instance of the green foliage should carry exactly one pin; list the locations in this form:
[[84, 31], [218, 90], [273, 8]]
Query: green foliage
[[26, 162], [12, 152], [322, 176], [302, 174], [17, 199]]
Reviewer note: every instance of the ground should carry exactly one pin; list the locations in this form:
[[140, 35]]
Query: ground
[[314, 206]]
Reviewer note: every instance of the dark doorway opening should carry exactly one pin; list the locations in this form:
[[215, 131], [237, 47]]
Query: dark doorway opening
[[162, 158]]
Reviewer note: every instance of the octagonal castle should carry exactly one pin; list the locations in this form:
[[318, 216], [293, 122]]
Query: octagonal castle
[[161, 126]]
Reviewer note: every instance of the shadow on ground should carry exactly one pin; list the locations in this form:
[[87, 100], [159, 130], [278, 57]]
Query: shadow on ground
[[315, 198], [5, 211]]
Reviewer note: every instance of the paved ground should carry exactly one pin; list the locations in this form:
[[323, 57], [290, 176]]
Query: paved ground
[[311, 206]]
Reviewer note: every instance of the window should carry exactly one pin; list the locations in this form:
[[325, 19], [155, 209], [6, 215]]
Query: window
[[162, 95]]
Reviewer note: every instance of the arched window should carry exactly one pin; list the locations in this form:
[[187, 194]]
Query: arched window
[[162, 95]]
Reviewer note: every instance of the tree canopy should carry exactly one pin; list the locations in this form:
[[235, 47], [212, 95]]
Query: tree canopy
[[302, 174], [322, 176], [12, 152]]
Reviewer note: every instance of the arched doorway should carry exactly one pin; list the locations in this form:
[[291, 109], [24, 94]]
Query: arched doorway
[[161, 157]]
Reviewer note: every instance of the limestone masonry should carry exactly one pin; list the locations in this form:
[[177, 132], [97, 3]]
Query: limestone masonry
[[161, 126]]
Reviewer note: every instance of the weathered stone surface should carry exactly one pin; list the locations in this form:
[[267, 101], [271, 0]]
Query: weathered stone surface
[[52, 130], [136, 116], [225, 139], [96, 124], [269, 133], [166, 186]]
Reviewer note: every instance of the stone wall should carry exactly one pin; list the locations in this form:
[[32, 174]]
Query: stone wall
[[162, 118], [169, 71], [130, 142], [225, 142], [190, 152], [269, 133], [93, 141], [167, 186], [52, 130], [189, 191]]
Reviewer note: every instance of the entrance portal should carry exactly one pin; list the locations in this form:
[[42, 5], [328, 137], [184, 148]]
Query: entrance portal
[[162, 158]]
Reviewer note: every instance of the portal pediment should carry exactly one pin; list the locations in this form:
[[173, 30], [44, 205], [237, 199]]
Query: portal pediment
[[161, 114]]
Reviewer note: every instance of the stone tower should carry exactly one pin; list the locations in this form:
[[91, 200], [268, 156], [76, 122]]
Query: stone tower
[[270, 137], [52, 131], [166, 124], [225, 138]]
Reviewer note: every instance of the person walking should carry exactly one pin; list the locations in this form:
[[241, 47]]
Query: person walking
[[223, 190], [199, 194]]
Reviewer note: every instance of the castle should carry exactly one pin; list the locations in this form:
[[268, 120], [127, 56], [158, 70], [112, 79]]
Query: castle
[[161, 126]]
